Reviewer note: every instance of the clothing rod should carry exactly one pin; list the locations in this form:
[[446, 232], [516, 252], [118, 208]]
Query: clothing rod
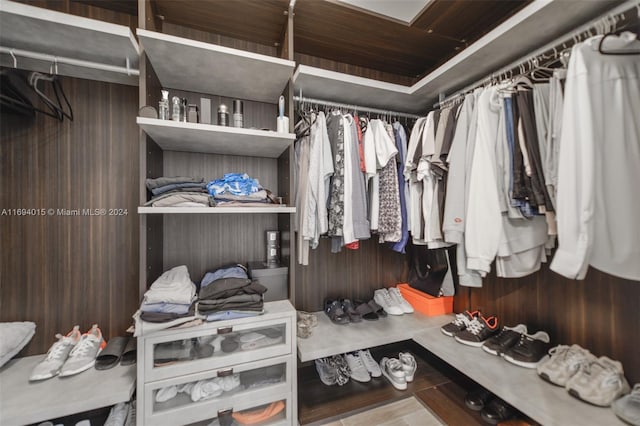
[[67, 61], [297, 98], [565, 41]]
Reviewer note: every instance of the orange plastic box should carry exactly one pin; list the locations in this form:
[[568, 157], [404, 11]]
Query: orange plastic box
[[425, 303]]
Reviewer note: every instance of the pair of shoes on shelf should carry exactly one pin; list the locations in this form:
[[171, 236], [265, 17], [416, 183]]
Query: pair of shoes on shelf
[[628, 407], [71, 354], [305, 324], [119, 350], [399, 371], [598, 381], [392, 301], [333, 370], [341, 311], [370, 310], [362, 365], [493, 410], [519, 347], [471, 328]]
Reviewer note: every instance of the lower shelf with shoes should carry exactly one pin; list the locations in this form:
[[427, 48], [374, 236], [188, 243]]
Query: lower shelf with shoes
[[520, 387], [31, 402]]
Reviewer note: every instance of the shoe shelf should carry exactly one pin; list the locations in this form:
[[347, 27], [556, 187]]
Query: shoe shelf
[[520, 387], [213, 139], [24, 402], [80, 47], [195, 66], [330, 339]]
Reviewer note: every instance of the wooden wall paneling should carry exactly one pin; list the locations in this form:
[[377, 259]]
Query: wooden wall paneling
[[85, 9], [68, 267], [351, 274], [221, 40], [286, 47], [599, 313]]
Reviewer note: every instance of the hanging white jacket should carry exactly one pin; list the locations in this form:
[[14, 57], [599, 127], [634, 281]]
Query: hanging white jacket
[[598, 172]]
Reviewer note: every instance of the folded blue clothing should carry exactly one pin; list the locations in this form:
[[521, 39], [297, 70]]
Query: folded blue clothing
[[228, 315], [234, 183], [234, 271], [166, 308]]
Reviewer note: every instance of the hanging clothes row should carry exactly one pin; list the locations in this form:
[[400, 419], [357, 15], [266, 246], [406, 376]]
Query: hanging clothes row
[[509, 167], [349, 181]]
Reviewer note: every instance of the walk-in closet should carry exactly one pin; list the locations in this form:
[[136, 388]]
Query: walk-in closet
[[319, 212]]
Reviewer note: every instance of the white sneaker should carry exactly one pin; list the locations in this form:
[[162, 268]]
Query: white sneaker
[[56, 356], [359, 371], [409, 365], [383, 298], [83, 355], [397, 297], [392, 370], [371, 364]]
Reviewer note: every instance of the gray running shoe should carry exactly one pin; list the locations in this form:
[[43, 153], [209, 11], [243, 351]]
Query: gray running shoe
[[56, 356], [563, 363], [599, 382], [392, 370], [359, 371], [327, 372], [83, 356], [628, 407]]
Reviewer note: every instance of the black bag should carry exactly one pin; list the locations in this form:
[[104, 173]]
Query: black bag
[[427, 269]]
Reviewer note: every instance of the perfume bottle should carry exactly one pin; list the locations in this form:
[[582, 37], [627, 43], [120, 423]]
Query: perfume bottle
[[175, 108], [163, 106]]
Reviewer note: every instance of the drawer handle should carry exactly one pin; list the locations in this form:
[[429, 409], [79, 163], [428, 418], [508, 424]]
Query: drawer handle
[[225, 330], [225, 373]]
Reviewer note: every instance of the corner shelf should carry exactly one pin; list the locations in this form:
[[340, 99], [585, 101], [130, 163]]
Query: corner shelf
[[214, 139], [195, 66], [215, 210], [349, 89], [520, 387], [331, 339], [81, 47]]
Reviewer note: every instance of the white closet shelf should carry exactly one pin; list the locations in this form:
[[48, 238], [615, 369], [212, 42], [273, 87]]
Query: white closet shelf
[[349, 89], [213, 139], [520, 387], [81, 47], [216, 210], [195, 66], [331, 339], [25, 402]]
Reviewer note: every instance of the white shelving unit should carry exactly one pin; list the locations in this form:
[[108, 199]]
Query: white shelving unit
[[47, 41], [521, 387], [195, 66], [215, 210], [213, 139], [349, 89]]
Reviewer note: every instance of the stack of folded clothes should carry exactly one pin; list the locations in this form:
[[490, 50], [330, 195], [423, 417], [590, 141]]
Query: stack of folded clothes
[[168, 302], [238, 189], [228, 293], [178, 192]]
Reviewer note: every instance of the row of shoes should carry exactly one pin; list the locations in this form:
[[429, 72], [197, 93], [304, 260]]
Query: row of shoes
[[360, 366], [385, 301], [492, 409], [70, 354], [598, 381], [514, 344]]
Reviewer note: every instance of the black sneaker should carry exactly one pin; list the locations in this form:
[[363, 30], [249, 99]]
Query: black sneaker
[[529, 350], [459, 323], [504, 340], [497, 411], [479, 330], [477, 399]]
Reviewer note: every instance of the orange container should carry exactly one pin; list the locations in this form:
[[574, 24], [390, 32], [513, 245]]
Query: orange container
[[425, 303]]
